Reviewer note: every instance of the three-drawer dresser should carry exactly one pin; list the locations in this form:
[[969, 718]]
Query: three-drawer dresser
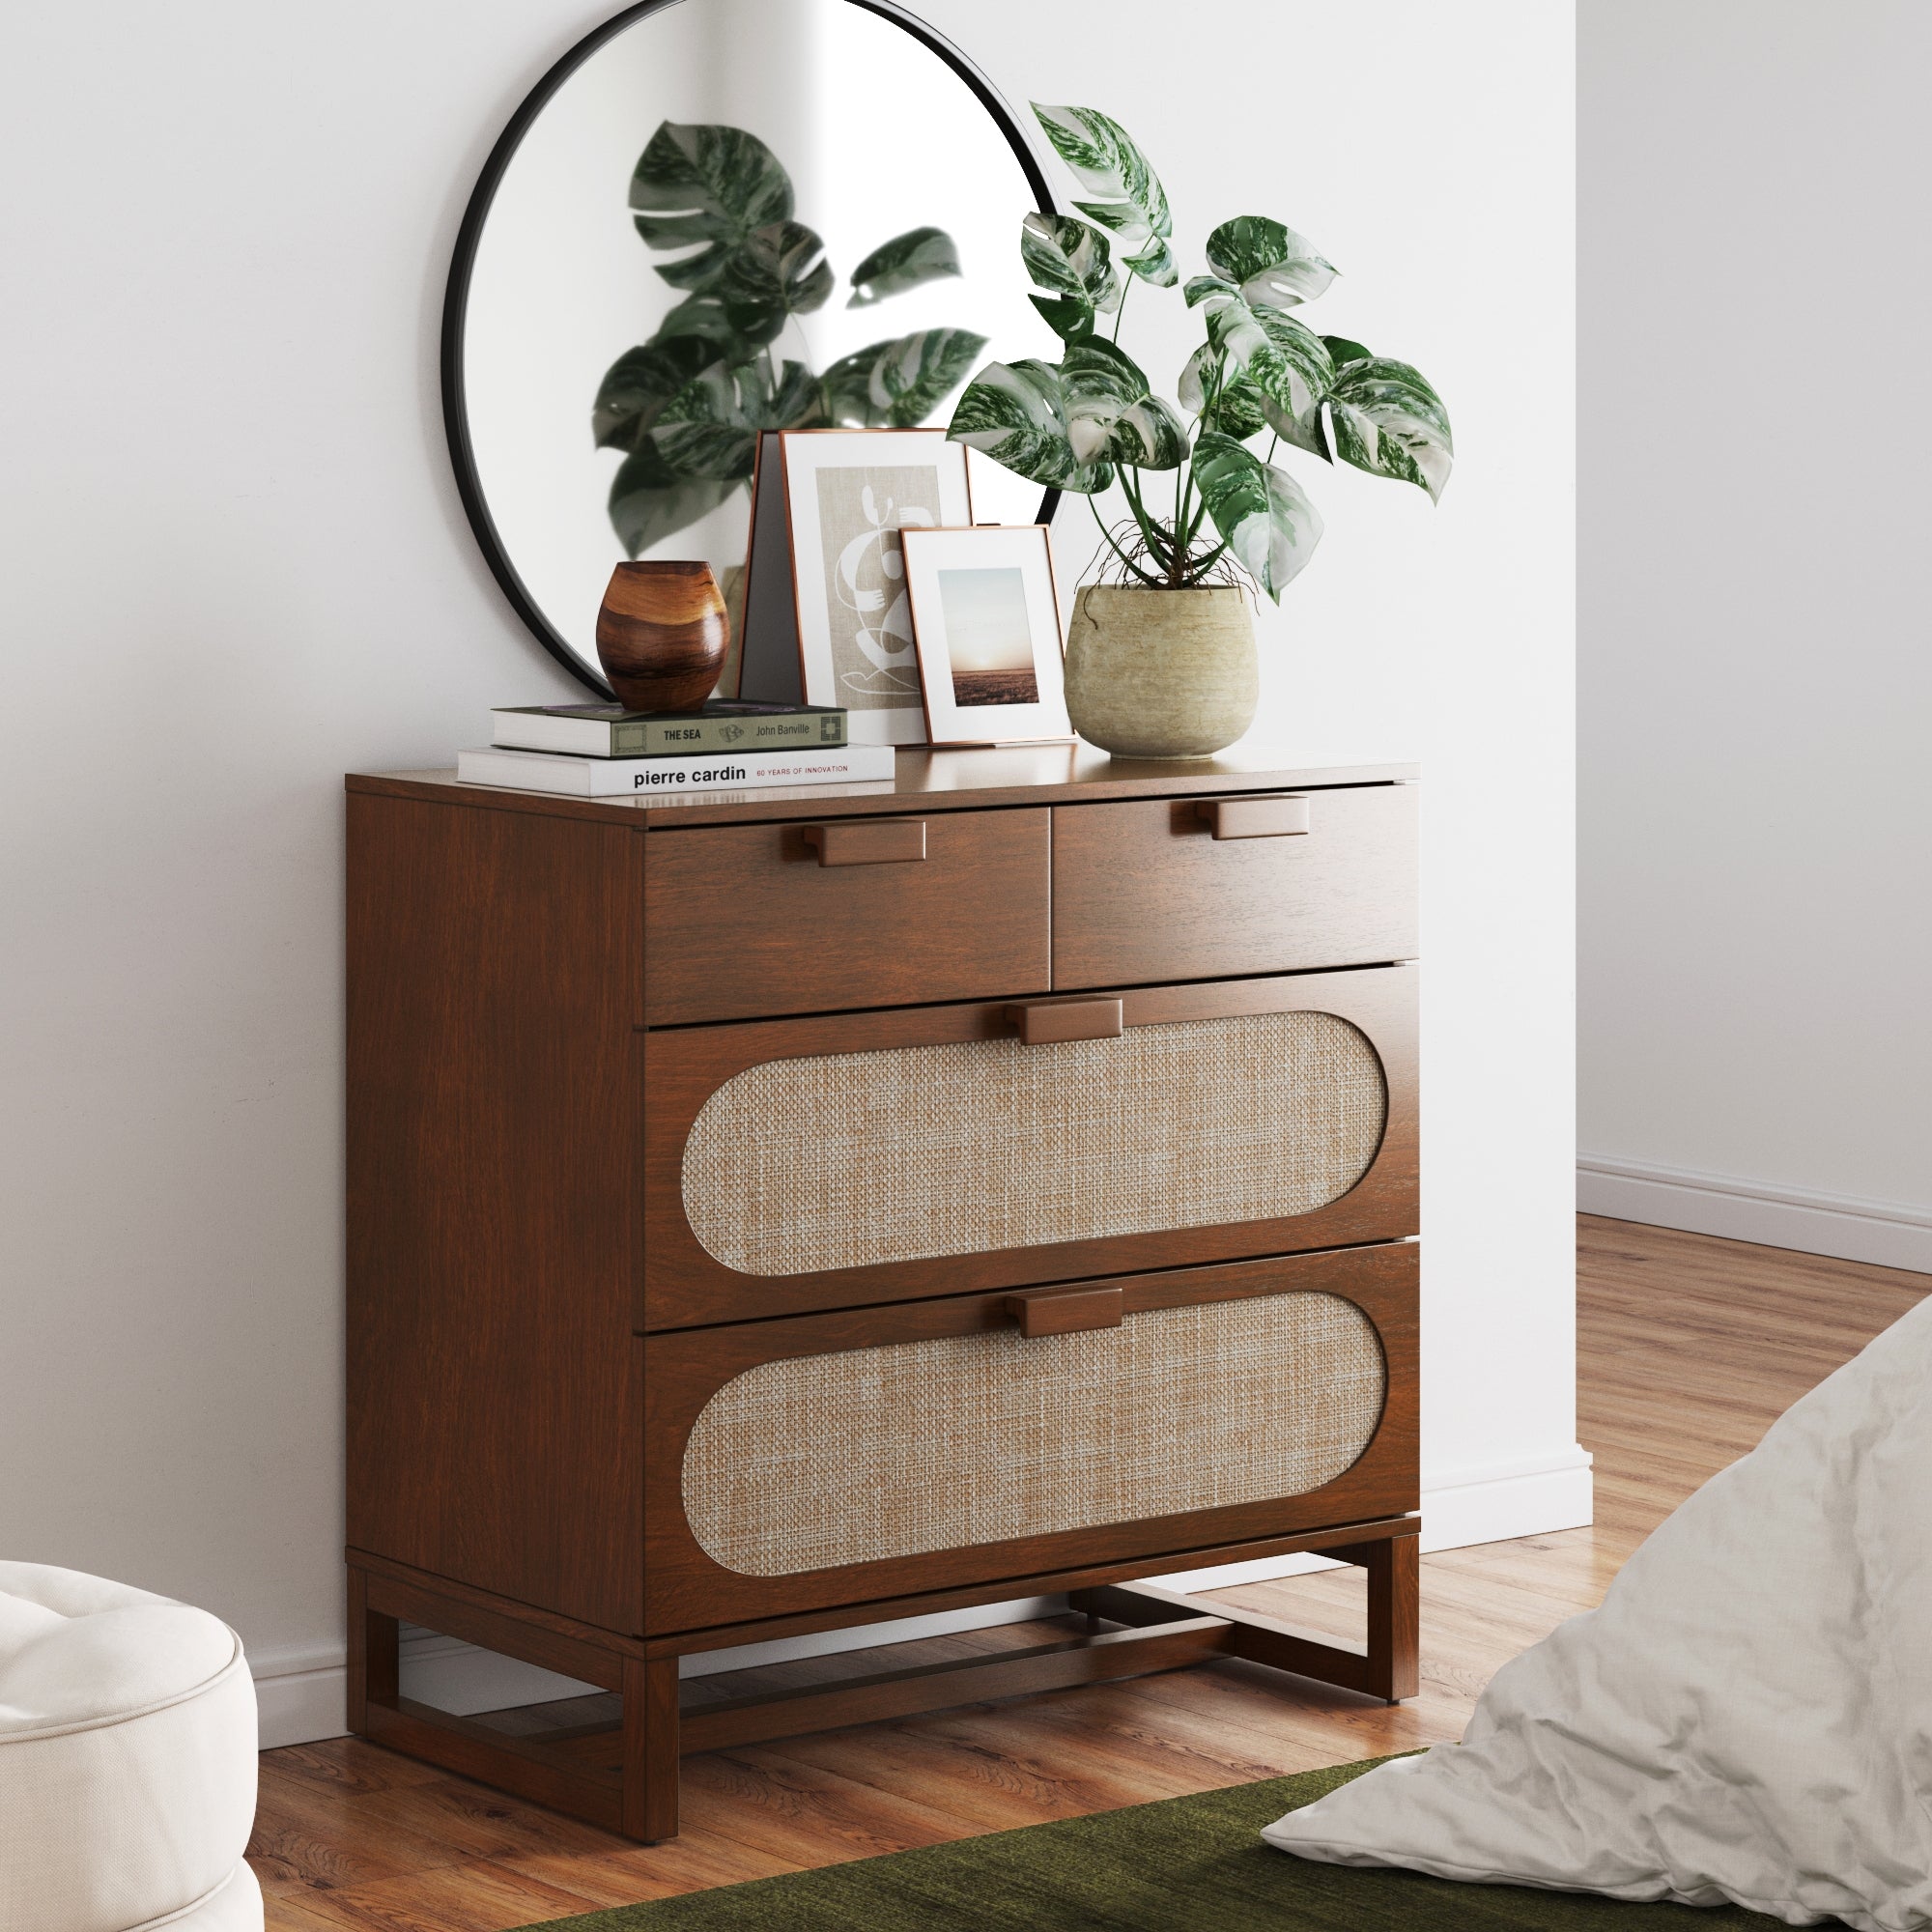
[[792, 1210]]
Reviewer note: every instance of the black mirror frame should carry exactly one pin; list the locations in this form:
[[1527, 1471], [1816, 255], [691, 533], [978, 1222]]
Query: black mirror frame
[[456, 297]]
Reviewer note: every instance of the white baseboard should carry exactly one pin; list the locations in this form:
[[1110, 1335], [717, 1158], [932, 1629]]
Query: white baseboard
[[1888, 1233], [301, 1694]]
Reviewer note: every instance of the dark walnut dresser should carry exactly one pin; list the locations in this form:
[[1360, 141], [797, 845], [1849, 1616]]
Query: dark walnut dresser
[[802, 1210]]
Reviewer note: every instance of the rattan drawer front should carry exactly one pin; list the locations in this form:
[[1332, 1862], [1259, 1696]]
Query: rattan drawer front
[[1145, 891], [847, 1160], [862, 1454], [832, 1459], [746, 921], [859, 1159]]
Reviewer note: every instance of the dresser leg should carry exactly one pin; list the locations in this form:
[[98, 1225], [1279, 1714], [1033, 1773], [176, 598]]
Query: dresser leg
[[651, 1748], [373, 1655], [1395, 1607]]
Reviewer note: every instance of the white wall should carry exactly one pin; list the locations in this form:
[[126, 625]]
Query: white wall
[[236, 567], [1755, 1048]]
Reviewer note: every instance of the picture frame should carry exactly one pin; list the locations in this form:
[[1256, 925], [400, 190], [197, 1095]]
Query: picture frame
[[849, 494], [991, 642]]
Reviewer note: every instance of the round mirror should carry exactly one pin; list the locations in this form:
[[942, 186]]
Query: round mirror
[[710, 218]]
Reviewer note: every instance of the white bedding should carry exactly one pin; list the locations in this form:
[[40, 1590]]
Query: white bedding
[[1747, 1717]]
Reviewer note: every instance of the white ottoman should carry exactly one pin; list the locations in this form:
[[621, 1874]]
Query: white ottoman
[[126, 1761]]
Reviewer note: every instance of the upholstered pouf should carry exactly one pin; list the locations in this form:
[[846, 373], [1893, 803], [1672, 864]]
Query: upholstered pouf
[[126, 1761]]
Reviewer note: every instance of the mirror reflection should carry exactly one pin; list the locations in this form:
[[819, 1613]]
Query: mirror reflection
[[733, 216]]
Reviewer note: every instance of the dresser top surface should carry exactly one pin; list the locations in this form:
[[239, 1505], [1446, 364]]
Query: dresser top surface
[[926, 780]]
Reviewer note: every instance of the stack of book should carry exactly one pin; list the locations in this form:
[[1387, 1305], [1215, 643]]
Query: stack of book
[[602, 750]]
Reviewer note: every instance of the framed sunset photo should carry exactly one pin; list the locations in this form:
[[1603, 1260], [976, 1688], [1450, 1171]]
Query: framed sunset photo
[[987, 621]]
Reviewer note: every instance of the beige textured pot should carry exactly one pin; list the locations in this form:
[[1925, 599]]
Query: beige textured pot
[[1161, 674]]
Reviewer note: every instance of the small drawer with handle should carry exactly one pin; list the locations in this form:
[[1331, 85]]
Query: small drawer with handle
[[750, 921], [855, 1159], [1271, 882], [874, 1453]]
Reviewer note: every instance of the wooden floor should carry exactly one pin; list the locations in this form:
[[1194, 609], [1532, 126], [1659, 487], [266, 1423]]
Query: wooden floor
[[1688, 1349]]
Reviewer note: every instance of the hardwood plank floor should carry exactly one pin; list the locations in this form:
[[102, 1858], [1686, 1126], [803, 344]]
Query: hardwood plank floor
[[1688, 1349]]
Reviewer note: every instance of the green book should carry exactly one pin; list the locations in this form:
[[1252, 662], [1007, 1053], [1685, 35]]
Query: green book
[[721, 724]]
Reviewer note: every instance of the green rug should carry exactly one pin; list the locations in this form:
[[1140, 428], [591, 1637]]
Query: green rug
[[1184, 1864]]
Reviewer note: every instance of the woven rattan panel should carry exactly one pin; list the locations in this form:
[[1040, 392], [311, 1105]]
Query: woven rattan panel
[[808, 1464], [849, 1158]]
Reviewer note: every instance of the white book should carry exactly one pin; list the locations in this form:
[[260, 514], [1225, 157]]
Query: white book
[[626, 778]]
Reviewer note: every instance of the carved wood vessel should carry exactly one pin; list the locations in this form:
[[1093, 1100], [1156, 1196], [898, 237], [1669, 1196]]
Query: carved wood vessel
[[662, 634]]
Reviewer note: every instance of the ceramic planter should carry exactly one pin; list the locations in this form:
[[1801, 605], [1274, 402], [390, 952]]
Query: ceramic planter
[[1161, 674]]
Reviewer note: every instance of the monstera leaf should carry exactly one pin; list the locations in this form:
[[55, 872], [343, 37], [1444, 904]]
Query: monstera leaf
[[780, 271], [712, 185], [701, 447], [1016, 413], [905, 262], [1111, 414], [641, 385], [1106, 162], [706, 316], [1075, 263], [1387, 420], [1286, 362], [898, 384], [1260, 510], [1228, 400], [651, 500], [1267, 261]]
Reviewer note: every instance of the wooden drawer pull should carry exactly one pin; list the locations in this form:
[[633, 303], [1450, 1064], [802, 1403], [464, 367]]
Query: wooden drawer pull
[[1255, 818], [1056, 1020], [867, 841], [1065, 1312]]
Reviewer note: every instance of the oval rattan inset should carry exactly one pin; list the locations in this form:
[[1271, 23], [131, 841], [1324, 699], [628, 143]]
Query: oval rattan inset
[[843, 1160], [819, 1460]]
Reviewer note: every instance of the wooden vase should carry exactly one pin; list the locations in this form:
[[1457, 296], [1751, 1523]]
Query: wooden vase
[[662, 635]]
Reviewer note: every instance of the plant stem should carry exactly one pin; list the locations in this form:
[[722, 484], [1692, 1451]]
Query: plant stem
[[1120, 313], [1151, 581]]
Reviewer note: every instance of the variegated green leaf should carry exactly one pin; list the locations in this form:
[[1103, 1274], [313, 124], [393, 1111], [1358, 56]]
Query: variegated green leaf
[[1268, 524], [1388, 421], [639, 386], [1112, 415], [905, 262], [704, 184], [780, 271], [1106, 162], [1067, 257], [1285, 360], [899, 384], [1016, 413], [1342, 352], [1267, 261], [1229, 403], [652, 499], [1071, 318]]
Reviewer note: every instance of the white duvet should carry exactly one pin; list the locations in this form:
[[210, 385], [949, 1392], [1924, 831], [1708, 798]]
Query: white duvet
[[1748, 1716]]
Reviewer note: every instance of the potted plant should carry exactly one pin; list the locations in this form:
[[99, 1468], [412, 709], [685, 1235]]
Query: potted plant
[[1160, 662]]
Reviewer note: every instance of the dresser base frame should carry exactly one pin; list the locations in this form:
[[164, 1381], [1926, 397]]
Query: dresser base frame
[[624, 1775]]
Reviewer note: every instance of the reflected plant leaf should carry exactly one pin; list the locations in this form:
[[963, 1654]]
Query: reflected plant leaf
[[907, 261], [897, 384], [713, 185], [690, 402], [642, 383]]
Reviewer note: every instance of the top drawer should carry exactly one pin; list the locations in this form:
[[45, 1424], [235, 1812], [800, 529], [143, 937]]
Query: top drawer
[[750, 921], [1146, 893]]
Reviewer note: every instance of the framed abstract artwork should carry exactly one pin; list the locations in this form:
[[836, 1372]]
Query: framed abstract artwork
[[849, 495], [987, 621]]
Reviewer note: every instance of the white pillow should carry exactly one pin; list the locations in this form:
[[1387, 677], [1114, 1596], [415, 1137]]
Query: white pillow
[[1749, 1714]]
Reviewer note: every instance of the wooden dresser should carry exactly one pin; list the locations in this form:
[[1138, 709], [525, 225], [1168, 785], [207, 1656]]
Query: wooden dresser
[[810, 1208]]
